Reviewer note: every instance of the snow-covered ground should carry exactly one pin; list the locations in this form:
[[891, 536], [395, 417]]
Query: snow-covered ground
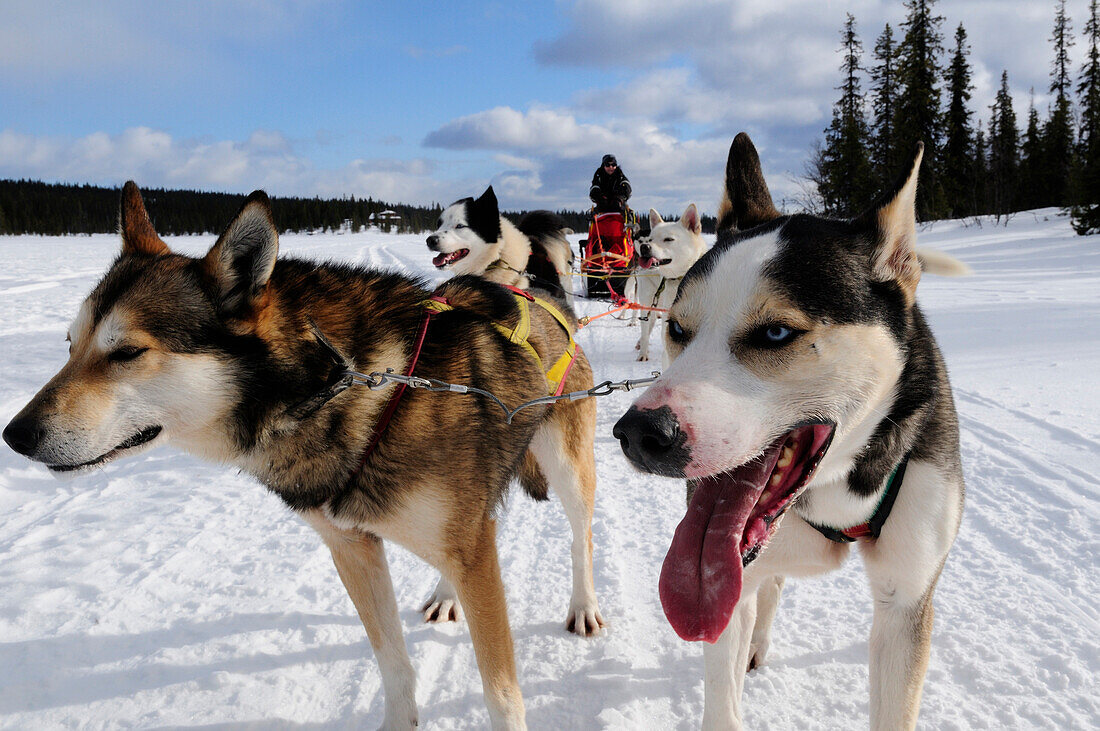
[[164, 592]]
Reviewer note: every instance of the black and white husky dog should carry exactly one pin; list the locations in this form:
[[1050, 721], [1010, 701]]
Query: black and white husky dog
[[472, 237], [809, 407]]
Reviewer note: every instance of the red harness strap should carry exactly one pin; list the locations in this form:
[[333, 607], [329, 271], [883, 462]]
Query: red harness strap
[[521, 292], [399, 391]]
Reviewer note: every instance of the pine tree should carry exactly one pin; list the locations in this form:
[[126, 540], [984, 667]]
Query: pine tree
[[1030, 192], [1003, 151], [958, 154], [1087, 215], [847, 184], [884, 91], [1058, 131], [917, 116], [980, 191]]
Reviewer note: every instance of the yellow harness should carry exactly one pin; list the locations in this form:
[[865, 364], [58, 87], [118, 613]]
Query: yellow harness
[[555, 377]]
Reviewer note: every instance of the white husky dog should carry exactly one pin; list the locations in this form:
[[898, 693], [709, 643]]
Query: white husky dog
[[473, 238], [664, 257]]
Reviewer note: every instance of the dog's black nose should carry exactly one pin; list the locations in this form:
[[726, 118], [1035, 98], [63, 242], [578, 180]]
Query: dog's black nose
[[433, 242], [653, 441], [23, 435], [643, 251]]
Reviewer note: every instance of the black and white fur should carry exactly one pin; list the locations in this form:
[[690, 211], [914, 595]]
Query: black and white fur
[[473, 238], [664, 256], [789, 319]]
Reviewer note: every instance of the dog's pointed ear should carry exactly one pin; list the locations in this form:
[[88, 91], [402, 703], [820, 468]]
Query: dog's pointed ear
[[138, 234], [655, 219], [488, 199], [746, 200], [483, 216], [690, 220], [892, 222], [244, 255]]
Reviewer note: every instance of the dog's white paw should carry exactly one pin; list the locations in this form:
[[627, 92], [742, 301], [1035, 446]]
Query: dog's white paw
[[638, 345], [643, 357], [400, 725], [439, 609], [400, 696], [585, 620]]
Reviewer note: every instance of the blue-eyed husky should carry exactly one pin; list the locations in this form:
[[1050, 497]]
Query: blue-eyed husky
[[808, 405]]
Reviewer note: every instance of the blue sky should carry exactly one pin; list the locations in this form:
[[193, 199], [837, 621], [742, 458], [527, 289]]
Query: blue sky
[[419, 101]]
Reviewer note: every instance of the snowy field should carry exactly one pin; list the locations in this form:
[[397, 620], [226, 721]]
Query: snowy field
[[163, 592]]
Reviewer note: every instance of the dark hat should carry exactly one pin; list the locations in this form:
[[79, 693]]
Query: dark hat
[[609, 160]]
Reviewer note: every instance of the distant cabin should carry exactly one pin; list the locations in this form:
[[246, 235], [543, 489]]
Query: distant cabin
[[385, 220]]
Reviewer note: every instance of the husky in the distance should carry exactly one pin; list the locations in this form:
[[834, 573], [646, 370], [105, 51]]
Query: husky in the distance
[[239, 357], [664, 257], [473, 238], [809, 407]]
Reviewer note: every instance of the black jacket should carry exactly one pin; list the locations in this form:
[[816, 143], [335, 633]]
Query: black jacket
[[607, 189]]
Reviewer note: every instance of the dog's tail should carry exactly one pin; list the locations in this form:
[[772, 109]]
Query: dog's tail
[[532, 480], [551, 255], [945, 265]]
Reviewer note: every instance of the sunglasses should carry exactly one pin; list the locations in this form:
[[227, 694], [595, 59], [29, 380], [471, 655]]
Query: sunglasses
[[610, 165]]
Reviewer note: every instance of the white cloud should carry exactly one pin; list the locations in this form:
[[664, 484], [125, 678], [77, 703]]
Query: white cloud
[[561, 152], [515, 162], [504, 128], [264, 160]]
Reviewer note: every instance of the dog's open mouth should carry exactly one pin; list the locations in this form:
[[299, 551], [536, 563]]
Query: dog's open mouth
[[652, 261], [445, 260], [731, 516], [142, 437]]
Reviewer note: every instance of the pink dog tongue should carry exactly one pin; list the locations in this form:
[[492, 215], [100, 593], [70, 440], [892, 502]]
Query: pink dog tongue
[[701, 576]]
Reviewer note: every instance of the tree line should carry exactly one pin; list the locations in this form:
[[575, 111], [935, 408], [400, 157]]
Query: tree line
[[29, 206], [973, 164], [33, 207]]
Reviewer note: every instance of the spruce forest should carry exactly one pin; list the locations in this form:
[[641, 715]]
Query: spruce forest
[[976, 162], [33, 207]]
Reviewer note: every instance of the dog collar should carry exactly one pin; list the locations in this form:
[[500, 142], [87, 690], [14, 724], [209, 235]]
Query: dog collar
[[501, 264], [873, 527]]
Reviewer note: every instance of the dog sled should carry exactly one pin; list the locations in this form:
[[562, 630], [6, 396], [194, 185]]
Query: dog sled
[[607, 255]]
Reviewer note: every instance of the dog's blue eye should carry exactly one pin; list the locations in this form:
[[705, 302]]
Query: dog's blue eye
[[770, 336], [778, 333], [676, 331], [461, 225]]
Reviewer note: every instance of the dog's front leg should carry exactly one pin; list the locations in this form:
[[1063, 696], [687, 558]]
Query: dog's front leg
[[630, 291], [361, 563], [901, 641], [724, 665], [643, 339], [566, 458], [767, 602], [476, 575], [903, 566]]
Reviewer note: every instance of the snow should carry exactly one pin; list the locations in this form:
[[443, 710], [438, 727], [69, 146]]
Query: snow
[[167, 592]]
